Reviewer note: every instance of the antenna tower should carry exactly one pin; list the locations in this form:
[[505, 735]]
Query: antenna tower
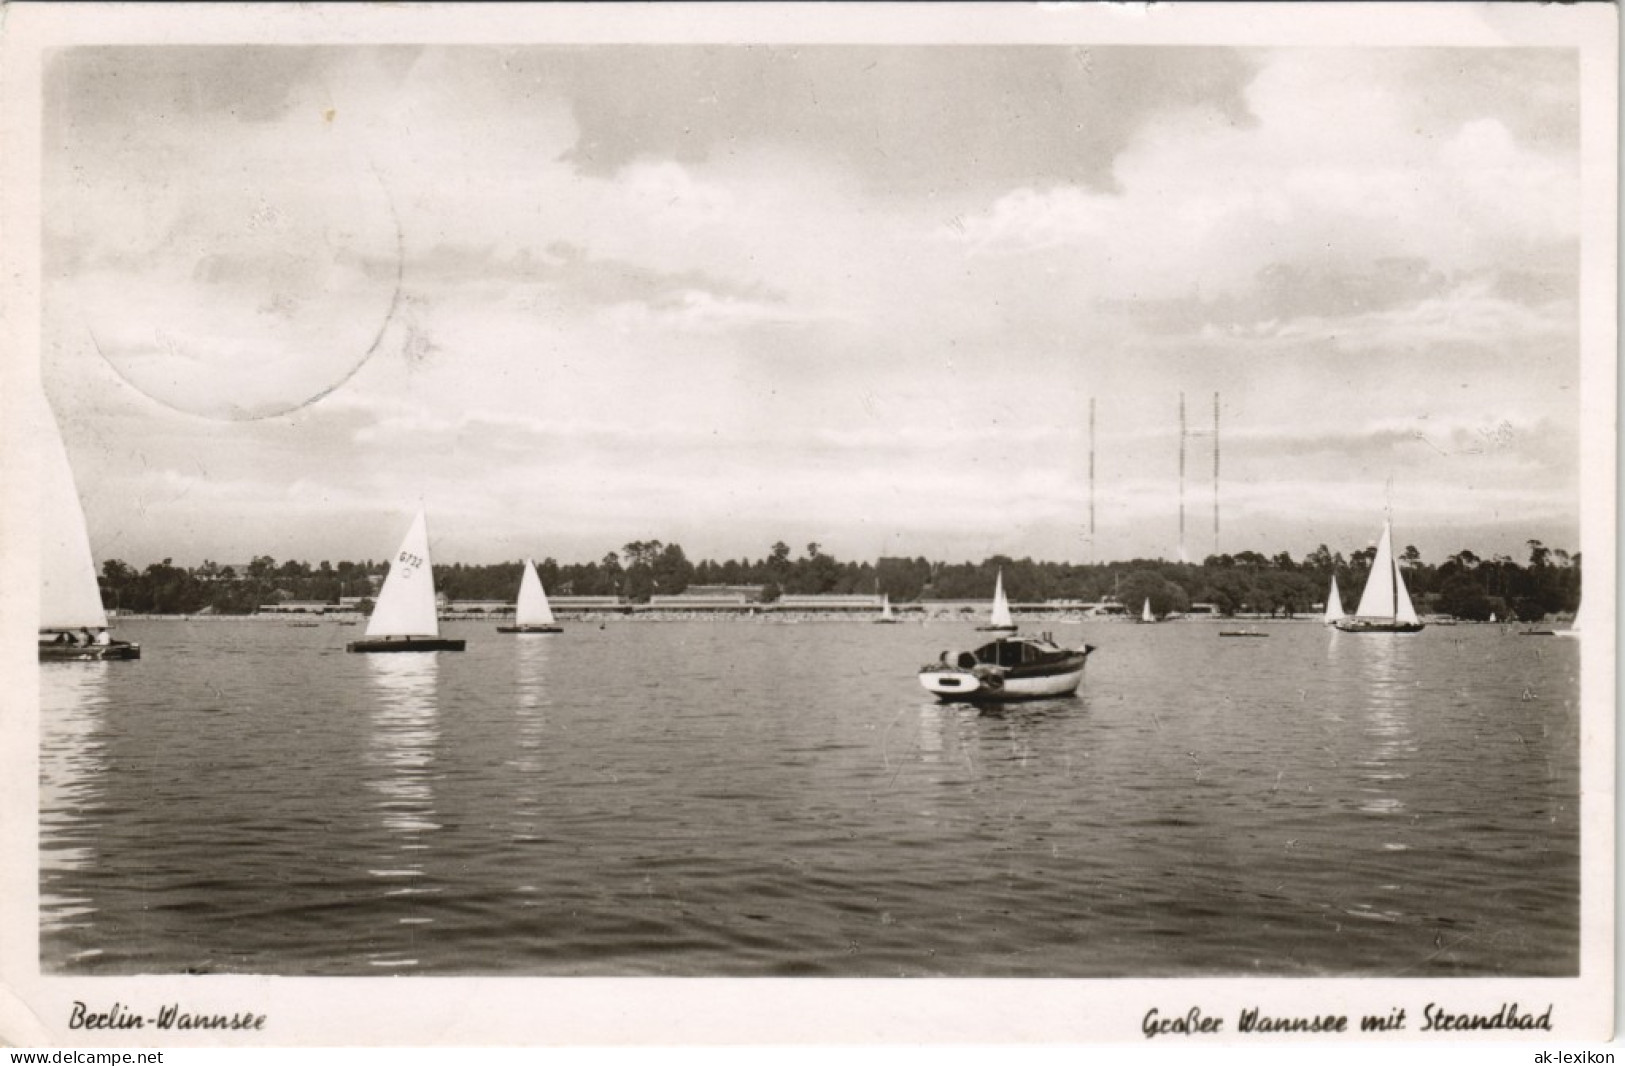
[[1185, 432], [1091, 479]]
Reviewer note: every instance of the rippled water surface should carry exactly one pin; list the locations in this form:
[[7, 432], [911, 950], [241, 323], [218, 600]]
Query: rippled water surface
[[741, 798]]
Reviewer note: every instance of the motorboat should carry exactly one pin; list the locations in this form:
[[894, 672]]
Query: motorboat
[[1008, 668]]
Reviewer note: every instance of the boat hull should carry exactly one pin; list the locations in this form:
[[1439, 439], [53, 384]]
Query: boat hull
[[89, 653], [383, 644], [1377, 625], [997, 629], [954, 685], [980, 685], [530, 629], [1240, 633]]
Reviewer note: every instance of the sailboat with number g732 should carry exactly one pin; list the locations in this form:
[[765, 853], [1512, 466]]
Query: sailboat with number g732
[[405, 617]]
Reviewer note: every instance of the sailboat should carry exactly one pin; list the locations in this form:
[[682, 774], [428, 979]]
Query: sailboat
[[1574, 627], [1385, 605], [1145, 612], [533, 615], [1334, 604], [999, 621], [404, 618], [886, 615], [73, 623]]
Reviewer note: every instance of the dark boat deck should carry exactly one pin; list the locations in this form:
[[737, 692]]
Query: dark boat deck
[[383, 644]]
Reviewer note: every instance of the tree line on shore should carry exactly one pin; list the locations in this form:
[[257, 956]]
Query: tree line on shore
[[1462, 585]]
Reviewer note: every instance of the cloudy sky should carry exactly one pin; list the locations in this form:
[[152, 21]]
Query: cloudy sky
[[573, 297]]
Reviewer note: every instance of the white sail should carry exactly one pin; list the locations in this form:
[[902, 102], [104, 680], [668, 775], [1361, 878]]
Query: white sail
[[1574, 627], [533, 609], [1001, 606], [1145, 612], [1334, 604], [1404, 610], [69, 597], [1385, 595], [1377, 601], [405, 605], [885, 606]]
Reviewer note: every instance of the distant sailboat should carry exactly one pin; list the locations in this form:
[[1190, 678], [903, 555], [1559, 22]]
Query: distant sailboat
[[1145, 612], [1000, 620], [886, 616], [404, 618], [533, 615], [73, 623], [1334, 604], [1385, 605]]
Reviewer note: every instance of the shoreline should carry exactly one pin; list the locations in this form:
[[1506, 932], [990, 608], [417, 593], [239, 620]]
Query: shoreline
[[770, 617]]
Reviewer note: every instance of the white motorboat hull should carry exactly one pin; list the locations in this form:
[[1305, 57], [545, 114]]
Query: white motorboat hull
[[956, 684]]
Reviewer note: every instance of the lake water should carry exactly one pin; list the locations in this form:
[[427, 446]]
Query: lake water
[[739, 798]]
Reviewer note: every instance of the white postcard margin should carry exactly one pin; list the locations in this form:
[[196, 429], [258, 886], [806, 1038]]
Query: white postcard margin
[[35, 1009]]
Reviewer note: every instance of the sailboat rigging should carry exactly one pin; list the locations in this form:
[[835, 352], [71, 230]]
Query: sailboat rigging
[[1334, 604], [1000, 621], [405, 617], [73, 622], [1385, 605], [533, 614]]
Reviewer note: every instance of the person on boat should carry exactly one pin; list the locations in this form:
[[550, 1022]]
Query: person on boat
[[89, 637], [103, 637]]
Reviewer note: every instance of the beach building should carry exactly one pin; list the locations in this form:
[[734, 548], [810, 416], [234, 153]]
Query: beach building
[[827, 602], [706, 598], [588, 604], [297, 607]]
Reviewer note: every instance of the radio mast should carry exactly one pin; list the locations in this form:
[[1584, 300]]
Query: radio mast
[[1091, 479], [1185, 432]]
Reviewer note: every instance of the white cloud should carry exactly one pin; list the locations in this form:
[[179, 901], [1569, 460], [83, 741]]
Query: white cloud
[[1335, 171]]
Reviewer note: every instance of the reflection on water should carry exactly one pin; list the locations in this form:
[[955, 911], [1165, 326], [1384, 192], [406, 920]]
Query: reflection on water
[[977, 739], [1389, 701], [73, 703], [400, 758], [1385, 665], [532, 655]]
